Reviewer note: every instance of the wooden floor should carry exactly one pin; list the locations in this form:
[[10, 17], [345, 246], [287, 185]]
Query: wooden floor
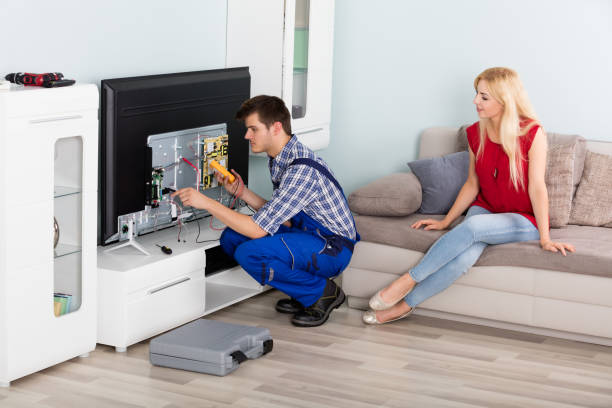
[[417, 362]]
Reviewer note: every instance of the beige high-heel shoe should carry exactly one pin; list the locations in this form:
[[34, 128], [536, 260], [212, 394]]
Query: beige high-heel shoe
[[377, 303], [369, 317]]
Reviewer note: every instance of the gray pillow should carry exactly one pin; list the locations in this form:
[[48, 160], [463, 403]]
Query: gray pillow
[[395, 195], [441, 179], [593, 201]]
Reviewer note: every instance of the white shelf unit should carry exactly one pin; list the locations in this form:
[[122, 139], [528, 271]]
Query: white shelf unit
[[291, 57], [48, 157], [141, 296]]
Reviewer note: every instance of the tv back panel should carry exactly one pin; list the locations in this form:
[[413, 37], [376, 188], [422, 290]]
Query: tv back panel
[[158, 134]]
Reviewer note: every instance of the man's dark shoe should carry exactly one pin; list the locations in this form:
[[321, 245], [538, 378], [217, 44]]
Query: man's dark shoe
[[318, 313], [289, 305]]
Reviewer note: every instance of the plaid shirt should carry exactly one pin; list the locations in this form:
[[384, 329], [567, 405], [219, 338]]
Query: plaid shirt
[[303, 188]]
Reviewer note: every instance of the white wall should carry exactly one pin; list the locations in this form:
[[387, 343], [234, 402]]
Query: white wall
[[401, 66], [89, 41]]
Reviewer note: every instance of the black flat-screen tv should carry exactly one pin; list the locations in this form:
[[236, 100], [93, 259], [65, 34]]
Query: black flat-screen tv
[[132, 109]]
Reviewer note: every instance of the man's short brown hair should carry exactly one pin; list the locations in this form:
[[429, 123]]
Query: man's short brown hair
[[269, 108]]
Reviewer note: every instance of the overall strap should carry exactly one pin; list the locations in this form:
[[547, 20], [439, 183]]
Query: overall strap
[[320, 167]]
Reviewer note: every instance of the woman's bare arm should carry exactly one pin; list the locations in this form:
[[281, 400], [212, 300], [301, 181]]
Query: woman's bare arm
[[538, 193]]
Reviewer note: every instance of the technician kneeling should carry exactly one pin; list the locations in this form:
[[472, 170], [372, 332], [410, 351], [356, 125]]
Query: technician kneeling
[[304, 235]]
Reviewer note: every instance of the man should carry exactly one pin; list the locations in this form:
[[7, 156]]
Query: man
[[304, 235]]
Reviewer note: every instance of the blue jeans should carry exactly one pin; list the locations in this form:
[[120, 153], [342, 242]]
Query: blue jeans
[[457, 250], [297, 261]]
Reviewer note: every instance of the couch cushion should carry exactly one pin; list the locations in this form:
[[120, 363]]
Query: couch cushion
[[554, 139], [594, 290], [462, 141], [393, 195], [593, 202], [383, 258], [437, 141], [592, 256], [397, 231], [559, 182], [441, 179], [495, 305]]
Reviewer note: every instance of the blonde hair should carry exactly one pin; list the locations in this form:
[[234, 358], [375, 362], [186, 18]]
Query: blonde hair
[[506, 88]]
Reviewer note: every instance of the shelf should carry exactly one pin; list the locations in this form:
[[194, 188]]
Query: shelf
[[219, 296], [62, 191], [65, 249]]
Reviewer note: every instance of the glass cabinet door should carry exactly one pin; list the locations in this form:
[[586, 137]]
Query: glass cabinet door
[[307, 68], [300, 59], [67, 225]]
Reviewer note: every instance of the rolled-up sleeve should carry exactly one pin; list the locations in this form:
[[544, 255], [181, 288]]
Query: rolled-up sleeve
[[298, 188]]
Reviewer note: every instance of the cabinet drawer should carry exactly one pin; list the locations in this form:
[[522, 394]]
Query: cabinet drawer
[[164, 306], [160, 268]]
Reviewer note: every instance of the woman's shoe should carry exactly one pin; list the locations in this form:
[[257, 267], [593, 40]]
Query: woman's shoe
[[369, 317], [377, 303]]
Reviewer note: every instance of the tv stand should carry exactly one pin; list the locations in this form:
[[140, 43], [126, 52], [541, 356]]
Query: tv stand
[[130, 242], [142, 296]]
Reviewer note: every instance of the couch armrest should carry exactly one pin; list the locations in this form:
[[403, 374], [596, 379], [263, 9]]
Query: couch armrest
[[397, 194]]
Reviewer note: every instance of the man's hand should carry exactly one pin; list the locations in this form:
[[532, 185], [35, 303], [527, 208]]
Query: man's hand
[[232, 188], [557, 246], [192, 198]]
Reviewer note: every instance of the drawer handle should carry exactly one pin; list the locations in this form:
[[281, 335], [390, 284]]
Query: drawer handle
[[168, 285], [56, 119]]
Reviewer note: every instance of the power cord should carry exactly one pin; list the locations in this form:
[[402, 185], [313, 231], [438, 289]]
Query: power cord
[[236, 193]]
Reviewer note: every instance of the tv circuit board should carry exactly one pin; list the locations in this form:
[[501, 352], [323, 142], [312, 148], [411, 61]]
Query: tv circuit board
[[179, 159]]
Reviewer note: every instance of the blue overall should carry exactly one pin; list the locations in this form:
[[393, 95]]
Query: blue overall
[[297, 260]]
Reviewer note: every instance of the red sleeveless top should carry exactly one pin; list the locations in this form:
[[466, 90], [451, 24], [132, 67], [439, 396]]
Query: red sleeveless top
[[497, 193]]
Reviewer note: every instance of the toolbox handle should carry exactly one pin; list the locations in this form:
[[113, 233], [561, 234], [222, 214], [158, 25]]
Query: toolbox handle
[[239, 356], [267, 346]]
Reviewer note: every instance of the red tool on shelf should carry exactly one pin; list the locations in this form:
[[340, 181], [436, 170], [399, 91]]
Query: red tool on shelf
[[47, 80]]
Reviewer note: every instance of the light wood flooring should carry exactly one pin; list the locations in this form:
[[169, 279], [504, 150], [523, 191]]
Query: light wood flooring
[[416, 362]]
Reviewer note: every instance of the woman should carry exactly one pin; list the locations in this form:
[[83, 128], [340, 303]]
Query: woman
[[505, 193]]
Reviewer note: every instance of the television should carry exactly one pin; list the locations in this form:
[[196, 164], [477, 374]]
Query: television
[[157, 135]]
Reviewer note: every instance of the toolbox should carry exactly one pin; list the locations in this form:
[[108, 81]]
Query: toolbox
[[209, 346]]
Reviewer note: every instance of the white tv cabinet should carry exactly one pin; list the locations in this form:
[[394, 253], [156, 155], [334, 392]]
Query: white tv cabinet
[[292, 58], [141, 296], [48, 169]]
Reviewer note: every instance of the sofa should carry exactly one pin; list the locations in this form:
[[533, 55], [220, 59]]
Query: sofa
[[515, 286]]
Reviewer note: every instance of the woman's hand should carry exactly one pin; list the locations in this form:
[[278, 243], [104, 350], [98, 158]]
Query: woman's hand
[[557, 246], [191, 198], [431, 224]]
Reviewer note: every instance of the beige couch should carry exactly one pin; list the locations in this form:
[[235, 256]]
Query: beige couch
[[515, 286]]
